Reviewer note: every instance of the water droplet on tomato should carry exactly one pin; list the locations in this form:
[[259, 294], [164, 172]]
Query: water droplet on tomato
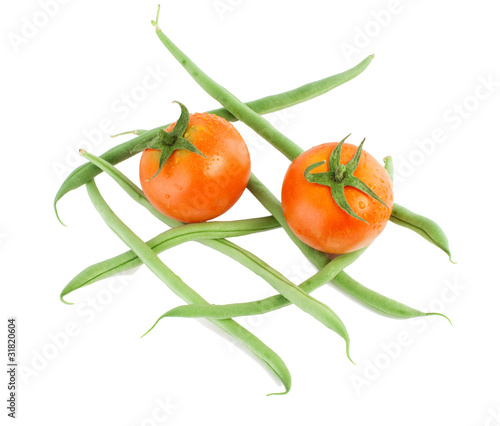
[[361, 205]]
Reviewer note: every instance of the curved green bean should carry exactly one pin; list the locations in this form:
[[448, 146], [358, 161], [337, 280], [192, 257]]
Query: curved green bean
[[268, 104], [164, 241], [422, 225], [290, 291], [380, 303], [149, 258]]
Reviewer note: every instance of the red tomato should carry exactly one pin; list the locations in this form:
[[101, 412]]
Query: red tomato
[[193, 188], [314, 216]]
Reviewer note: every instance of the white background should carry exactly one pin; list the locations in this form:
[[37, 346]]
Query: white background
[[63, 74]]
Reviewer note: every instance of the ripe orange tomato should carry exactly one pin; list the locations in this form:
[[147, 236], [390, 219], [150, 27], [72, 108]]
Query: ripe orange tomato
[[195, 188], [317, 220]]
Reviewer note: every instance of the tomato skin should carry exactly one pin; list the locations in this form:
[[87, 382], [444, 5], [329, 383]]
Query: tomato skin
[[190, 187], [317, 220]]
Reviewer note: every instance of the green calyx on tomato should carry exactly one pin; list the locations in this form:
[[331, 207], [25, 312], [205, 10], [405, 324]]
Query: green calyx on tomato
[[168, 142], [339, 176]]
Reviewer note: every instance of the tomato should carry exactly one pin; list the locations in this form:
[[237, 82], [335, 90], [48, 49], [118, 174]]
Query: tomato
[[192, 187], [317, 220]]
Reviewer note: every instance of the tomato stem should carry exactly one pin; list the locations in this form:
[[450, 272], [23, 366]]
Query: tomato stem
[[155, 23], [168, 142], [341, 175]]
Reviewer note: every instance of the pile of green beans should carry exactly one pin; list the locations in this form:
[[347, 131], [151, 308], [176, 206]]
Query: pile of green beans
[[214, 234]]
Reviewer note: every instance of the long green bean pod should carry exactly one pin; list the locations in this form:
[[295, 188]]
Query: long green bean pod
[[376, 301], [149, 258], [266, 105], [422, 225], [290, 291]]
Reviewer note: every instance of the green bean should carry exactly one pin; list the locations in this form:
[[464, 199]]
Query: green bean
[[268, 104], [164, 241], [290, 291], [422, 225], [378, 302], [149, 258]]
